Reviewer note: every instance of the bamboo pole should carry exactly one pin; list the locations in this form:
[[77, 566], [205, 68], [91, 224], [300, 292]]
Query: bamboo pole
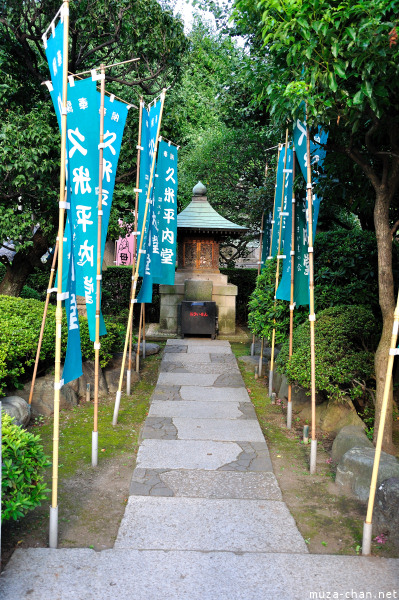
[[312, 316], [53, 534], [136, 274], [39, 345], [271, 244], [136, 205], [139, 340], [259, 269], [143, 331], [278, 268], [97, 344], [292, 304], [394, 351]]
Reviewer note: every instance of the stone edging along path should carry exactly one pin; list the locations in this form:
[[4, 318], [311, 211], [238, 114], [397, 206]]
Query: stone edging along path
[[205, 517]]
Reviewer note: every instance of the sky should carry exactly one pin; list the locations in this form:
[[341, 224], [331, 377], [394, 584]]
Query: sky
[[187, 12]]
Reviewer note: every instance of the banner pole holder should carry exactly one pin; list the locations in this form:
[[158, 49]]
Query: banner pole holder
[[271, 373], [136, 275], [97, 345], [312, 318], [292, 292], [39, 345], [136, 206], [368, 524], [259, 265], [53, 525]]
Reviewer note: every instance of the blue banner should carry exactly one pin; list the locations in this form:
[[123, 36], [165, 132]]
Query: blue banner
[[73, 359], [301, 265], [318, 154], [282, 217], [160, 248], [149, 130], [165, 197], [267, 232]]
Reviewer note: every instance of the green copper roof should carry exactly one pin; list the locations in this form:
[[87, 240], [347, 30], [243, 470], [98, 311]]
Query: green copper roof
[[199, 215]]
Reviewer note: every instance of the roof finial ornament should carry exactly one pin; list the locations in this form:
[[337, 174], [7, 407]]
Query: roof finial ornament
[[199, 189]]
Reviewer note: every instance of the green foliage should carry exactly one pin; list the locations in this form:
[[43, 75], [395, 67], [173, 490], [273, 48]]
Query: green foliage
[[20, 322], [23, 465], [345, 337], [28, 292], [346, 269], [345, 274], [265, 313]]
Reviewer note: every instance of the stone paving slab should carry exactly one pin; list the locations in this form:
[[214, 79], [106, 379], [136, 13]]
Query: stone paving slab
[[212, 394], [83, 574], [210, 349], [186, 454], [196, 410], [221, 430], [222, 484], [208, 525], [194, 367], [187, 379], [186, 359], [193, 341]]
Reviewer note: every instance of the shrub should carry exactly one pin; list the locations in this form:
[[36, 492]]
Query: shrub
[[20, 322], [266, 314], [23, 465], [345, 338], [346, 269], [28, 292]]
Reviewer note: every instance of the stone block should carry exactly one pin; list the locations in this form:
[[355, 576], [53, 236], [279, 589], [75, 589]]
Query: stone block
[[171, 289], [150, 348], [168, 311], [351, 436], [88, 377], [227, 320], [386, 509], [198, 290], [225, 301], [171, 299], [225, 290], [355, 468], [17, 408]]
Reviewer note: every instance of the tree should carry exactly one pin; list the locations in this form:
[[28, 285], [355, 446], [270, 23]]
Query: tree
[[341, 58], [102, 31], [223, 139]]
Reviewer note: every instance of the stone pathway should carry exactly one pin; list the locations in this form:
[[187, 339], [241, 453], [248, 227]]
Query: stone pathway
[[205, 518]]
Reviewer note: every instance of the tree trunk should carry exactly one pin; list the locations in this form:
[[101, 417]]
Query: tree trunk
[[22, 266], [387, 305]]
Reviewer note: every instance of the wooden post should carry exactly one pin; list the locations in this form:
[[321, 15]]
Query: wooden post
[[53, 536], [97, 345], [394, 351], [259, 270], [143, 331], [136, 274], [312, 316], [39, 345], [292, 304], [278, 268], [139, 340], [136, 206]]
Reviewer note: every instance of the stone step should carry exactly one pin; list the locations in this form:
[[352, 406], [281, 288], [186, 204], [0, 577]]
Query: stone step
[[207, 525], [205, 484], [83, 574]]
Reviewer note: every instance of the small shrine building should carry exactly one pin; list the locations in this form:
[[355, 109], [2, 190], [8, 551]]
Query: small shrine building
[[200, 229]]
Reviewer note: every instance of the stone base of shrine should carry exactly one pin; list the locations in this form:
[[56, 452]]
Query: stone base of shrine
[[213, 287]]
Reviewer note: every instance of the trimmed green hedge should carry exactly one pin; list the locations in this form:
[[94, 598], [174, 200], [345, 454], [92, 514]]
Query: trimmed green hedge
[[20, 322], [116, 291], [345, 339], [23, 466]]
